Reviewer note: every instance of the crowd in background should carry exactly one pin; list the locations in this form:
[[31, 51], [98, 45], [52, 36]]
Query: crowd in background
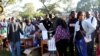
[[80, 32]]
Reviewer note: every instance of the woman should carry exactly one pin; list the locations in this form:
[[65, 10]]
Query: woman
[[61, 37], [79, 35], [98, 36]]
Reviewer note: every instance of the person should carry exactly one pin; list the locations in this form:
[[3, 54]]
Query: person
[[4, 25], [13, 35], [62, 37], [71, 24], [53, 19], [1, 27], [47, 23], [29, 29], [79, 34], [98, 37], [93, 22]]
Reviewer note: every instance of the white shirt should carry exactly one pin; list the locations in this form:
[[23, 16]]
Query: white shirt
[[87, 28], [91, 22], [77, 26], [29, 28]]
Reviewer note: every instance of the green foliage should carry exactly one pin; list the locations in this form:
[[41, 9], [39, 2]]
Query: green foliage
[[87, 5], [28, 11], [51, 8], [11, 1], [38, 14]]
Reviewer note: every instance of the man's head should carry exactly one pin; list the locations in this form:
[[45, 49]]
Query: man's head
[[4, 20], [46, 17], [51, 16], [73, 14], [88, 14], [12, 19], [96, 14]]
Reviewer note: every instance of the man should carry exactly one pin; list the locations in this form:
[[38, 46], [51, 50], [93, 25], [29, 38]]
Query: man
[[53, 19], [46, 22], [4, 32], [13, 35], [93, 23], [4, 24], [71, 24]]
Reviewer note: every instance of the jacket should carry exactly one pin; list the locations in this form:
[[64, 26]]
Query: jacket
[[13, 33]]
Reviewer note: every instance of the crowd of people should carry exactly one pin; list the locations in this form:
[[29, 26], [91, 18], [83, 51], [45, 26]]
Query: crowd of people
[[80, 32]]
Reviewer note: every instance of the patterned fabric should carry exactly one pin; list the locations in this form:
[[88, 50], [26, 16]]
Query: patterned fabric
[[61, 33]]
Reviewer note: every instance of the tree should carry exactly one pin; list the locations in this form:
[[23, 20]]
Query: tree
[[98, 5], [87, 5], [43, 2], [38, 14], [28, 11], [51, 8], [8, 2]]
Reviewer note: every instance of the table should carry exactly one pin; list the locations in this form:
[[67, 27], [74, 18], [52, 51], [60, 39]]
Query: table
[[43, 42], [27, 43]]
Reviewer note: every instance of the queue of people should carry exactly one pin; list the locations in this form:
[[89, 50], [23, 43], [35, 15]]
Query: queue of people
[[80, 33]]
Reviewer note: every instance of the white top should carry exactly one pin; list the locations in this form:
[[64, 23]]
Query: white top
[[88, 28], [93, 23], [29, 28]]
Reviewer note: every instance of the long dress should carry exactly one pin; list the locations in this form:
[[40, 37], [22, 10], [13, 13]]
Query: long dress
[[98, 39]]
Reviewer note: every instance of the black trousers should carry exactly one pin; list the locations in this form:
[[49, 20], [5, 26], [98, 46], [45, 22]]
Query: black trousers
[[71, 46], [90, 46], [62, 47]]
